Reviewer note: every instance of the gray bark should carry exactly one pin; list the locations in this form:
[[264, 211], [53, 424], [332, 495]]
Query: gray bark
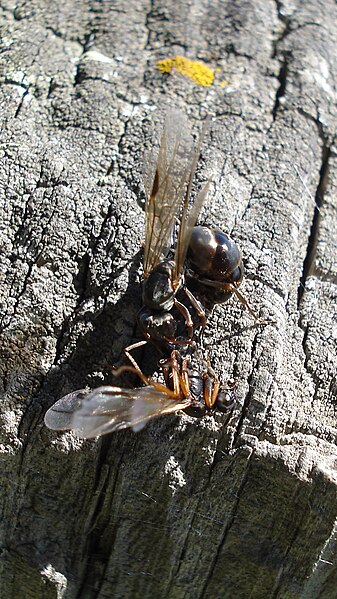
[[185, 508]]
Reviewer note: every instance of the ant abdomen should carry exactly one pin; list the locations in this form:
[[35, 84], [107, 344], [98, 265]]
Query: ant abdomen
[[214, 256]]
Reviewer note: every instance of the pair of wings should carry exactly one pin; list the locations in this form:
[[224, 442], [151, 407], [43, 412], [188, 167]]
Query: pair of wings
[[168, 192], [107, 409]]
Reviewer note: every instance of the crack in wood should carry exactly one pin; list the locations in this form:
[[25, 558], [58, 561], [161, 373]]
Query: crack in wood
[[203, 591], [309, 260], [248, 398]]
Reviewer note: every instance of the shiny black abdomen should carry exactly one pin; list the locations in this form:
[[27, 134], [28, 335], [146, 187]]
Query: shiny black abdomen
[[214, 256], [198, 408], [158, 326]]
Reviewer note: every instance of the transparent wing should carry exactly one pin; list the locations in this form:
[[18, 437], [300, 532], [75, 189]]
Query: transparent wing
[[108, 409], [167, 187], [59, 416], [190, 214]]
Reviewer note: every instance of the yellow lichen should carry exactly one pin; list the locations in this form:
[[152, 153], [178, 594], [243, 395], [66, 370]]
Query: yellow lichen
[[195, 70]]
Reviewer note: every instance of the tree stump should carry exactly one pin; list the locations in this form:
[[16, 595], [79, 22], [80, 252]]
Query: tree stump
[[185, 508]]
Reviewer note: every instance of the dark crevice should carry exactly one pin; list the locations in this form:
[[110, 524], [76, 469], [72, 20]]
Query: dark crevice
[[292, 540], [304, 345], [52, 86], [215, 561], [285, 20], [282, 55], [9, 81], [99, 543], [148, 16], [55, 32], [81, 281], [231, 50], [281, 16], [18, 110], [89, 38], [309, 261], [114, 162], [290, 24], [62, 337], [248, 398], [24, 287], [81, 74], [282, 78]]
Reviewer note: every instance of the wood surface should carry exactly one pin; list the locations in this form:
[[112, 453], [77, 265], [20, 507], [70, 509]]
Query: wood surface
[[185, 509]]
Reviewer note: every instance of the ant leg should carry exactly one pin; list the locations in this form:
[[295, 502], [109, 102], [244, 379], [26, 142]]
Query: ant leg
[[134, 370], [174, 341], [135, 367], [188, 319], [197, 306], [210, 369], [187, 316], [204, 359], [215, 391], [245, 303], [175, 373], [137, 371], [171, 371], [211, 389], [214, 394], [130, 348], [229, 287], [184, 378], [164, 364], [207, 390], [168, 366]]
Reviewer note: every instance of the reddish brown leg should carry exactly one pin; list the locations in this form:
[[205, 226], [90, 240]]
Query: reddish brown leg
[[130, 348], [232, 288], [134, 368], [215, 391], [175, 374], [184, 379], [165, 367], [188, 319], [189, 325], [184, 311], [207, 390], [245, 303], [197, 306]]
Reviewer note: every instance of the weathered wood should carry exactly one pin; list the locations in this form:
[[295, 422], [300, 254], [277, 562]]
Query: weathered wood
[[185, 508]]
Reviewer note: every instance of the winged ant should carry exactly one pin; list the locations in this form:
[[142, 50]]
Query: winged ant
[[107, 409]]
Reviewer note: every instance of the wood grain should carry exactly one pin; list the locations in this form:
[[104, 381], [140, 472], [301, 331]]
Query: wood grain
[[186, 508]]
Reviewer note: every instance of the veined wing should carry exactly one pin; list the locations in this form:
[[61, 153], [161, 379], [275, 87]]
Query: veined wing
[[59, 416], [190, 213], [167, 188], [108, 409]]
